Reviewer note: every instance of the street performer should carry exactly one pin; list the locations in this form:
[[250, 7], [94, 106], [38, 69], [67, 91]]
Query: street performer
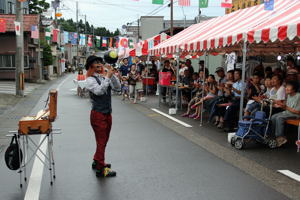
[[100, 82]]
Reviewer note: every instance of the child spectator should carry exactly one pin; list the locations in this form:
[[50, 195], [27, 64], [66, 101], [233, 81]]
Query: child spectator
[[133, 77]]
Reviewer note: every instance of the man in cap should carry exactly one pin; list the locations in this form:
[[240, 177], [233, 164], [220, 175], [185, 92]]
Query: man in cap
[[221, 74], [100, 82]]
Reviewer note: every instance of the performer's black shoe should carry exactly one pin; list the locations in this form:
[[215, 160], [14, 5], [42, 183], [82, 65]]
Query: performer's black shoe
[[94, 165], [105, 172]]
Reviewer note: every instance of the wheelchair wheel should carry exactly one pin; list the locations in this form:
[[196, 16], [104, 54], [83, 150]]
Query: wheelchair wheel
[[272, 143], [238, 144], [232, 141]]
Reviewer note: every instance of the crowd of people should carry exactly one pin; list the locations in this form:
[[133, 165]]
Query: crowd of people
[[220, 96]]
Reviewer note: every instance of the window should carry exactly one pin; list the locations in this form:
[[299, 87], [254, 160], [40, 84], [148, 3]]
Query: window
[[9, 62], [11, 8]]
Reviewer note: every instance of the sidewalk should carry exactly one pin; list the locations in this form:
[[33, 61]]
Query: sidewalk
[[12, 108], [285, 158]]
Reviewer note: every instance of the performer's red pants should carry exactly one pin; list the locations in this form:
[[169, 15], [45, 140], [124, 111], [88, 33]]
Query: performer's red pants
[[101, 124]]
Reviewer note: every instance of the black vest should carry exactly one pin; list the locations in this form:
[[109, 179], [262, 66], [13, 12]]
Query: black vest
[[101, 103]]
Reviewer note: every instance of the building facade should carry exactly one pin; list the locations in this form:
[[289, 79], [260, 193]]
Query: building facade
[[8, 7], [8, 49]]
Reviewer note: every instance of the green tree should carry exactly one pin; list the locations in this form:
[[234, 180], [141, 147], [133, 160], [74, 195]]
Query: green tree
[[38, 6], [47, 54]]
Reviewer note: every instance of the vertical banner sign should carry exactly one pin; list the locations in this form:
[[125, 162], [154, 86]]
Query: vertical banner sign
[[62, 39], [48, 34], [82, 40], [158, 2], [98, 41], [18, 28], [90, 41], [123, 42], [2, 25], [66, 37], [269, 4], [184, 3], [104, 42], [130, 43], [34, 32], [111, 42], [55, 35], [203, 3], [226, 3]]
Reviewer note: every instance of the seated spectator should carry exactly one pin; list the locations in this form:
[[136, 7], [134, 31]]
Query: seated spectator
[[254, 90], [291, 110], [211, 91], [80, 76], [232, 110], [224, 96], [277, 92]]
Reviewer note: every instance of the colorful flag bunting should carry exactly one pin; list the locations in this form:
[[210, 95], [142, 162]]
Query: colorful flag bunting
[[203, 3], [226, 3], [2, 25], [184, 2], [18, 28], [34, 32], [269, 4], [157, 1]]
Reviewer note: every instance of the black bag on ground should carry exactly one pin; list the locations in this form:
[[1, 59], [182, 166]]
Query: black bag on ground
[[12, 159]]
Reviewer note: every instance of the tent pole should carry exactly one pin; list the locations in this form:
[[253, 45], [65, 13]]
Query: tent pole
[[177, 82], [203, 87], [147, 74], [243, 79]]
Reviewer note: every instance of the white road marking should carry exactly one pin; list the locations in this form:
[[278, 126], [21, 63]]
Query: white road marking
[[172, 118], [290, 174], [34, 184]]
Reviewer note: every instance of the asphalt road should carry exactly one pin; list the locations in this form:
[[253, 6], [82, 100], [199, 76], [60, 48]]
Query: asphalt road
[[152, 162]]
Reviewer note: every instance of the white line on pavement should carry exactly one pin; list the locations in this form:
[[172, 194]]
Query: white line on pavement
[[34, 185], [290, 174], [172, 118]]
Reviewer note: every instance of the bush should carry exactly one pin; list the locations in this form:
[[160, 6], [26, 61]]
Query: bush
[[47, 53]]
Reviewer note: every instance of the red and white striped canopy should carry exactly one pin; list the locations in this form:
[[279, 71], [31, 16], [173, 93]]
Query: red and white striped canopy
[[252, 24]]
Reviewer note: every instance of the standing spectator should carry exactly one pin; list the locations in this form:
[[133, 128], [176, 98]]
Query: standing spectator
[[291, 110], [133, 77], [188, 63], [167, 68], [125, 68]]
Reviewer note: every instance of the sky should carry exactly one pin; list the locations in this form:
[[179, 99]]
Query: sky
[[112, 14]]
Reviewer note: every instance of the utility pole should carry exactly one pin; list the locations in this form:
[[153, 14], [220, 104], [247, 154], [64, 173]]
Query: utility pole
[[39, 63], [171, 28], [138, 36], [77, 29], [19, 52]]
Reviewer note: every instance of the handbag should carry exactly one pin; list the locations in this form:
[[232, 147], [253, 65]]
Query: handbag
[[13, 155]]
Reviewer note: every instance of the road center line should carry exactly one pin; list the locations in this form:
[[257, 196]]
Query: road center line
[[34, 184], [172, 118], [290, 174]]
